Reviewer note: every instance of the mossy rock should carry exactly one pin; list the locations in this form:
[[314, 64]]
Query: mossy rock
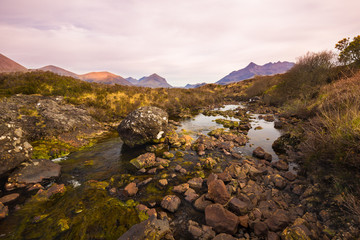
[[86, 212]]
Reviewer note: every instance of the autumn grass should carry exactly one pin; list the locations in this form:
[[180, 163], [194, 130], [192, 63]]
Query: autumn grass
[[109, 103]]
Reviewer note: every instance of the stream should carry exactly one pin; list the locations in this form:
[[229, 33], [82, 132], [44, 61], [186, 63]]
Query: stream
[[110, 158]]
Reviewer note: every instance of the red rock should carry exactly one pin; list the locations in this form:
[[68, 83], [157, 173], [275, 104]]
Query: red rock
[[131, 189], [218, 192], [221, 219], [171, 203], [9, 198]]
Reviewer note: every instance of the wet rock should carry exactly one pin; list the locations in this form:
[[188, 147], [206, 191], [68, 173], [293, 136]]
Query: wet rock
[[196, 182], [201, 203], [200, 232], [171, 203], [224, 176], [146, 181], [224, 236], [260, 229], [191, 195], [222, 220], [244, 221], [269, 118], [143, 125], [9, 198], [273, 236], [290, 176], [281, 165], [34, 172], [239, 207], [278, 221], [296, 232], [181, 188], [208, 163], [259, 152], [4, 210], [279, 181], [131, 189], [278, 124], [218, 192], [54, 189], [163, 182], [168, 155], [152, 171], [148, 229], [145, 160]]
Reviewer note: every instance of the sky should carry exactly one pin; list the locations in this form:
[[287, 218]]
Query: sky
[[186, 41]]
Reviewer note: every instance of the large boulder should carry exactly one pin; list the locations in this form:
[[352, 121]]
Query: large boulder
[[143, 125]]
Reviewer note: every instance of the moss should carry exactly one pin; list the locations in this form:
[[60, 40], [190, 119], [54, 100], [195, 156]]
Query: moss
[[52, 148], [227, 123], [85, 213]]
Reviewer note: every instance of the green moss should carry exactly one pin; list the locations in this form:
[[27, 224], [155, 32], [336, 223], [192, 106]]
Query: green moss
[[48, 149], [85, 213]]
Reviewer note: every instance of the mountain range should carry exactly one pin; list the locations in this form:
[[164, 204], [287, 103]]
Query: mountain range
[[154, 80], [253, 69]]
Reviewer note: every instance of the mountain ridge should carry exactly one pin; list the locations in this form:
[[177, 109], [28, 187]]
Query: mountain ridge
[[253, 69]]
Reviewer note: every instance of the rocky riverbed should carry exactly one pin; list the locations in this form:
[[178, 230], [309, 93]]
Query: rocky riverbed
[[211, 182]]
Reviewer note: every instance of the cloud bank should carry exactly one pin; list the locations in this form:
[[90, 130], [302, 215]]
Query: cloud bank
[[183, 41]]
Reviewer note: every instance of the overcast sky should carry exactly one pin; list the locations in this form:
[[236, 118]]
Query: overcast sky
[[186, 41]]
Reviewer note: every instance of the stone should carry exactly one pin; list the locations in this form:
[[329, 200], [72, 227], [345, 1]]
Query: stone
[[131, 189], [268, 157], [9, 198], [244, 221], [278, 125], [225, 176], [196, 182], [146, 181], [278, 221], [281, 165], [259, 152], [178, 168], [143, 125], [191, 195], [218, 192], [279, 181], [163, 182], [34, 172], [4, 210], [181, 188], [260, 229], [222, 220], [290, 176], [145, 160], [273, 236], [152, 171], [171, 203], [201, 203], [224, 236], [168, 155], [200, 232], [148, 229], [239, 207], [54, 189], [296, 232]]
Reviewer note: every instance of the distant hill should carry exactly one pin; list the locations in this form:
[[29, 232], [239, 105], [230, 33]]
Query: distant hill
[[132, 80], [153, 81], [8, 65], [195, 85], [104, 77], [59, 71], [253, 69]]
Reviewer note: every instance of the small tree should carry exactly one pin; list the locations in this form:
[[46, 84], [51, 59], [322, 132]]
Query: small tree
[[349, 50]]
